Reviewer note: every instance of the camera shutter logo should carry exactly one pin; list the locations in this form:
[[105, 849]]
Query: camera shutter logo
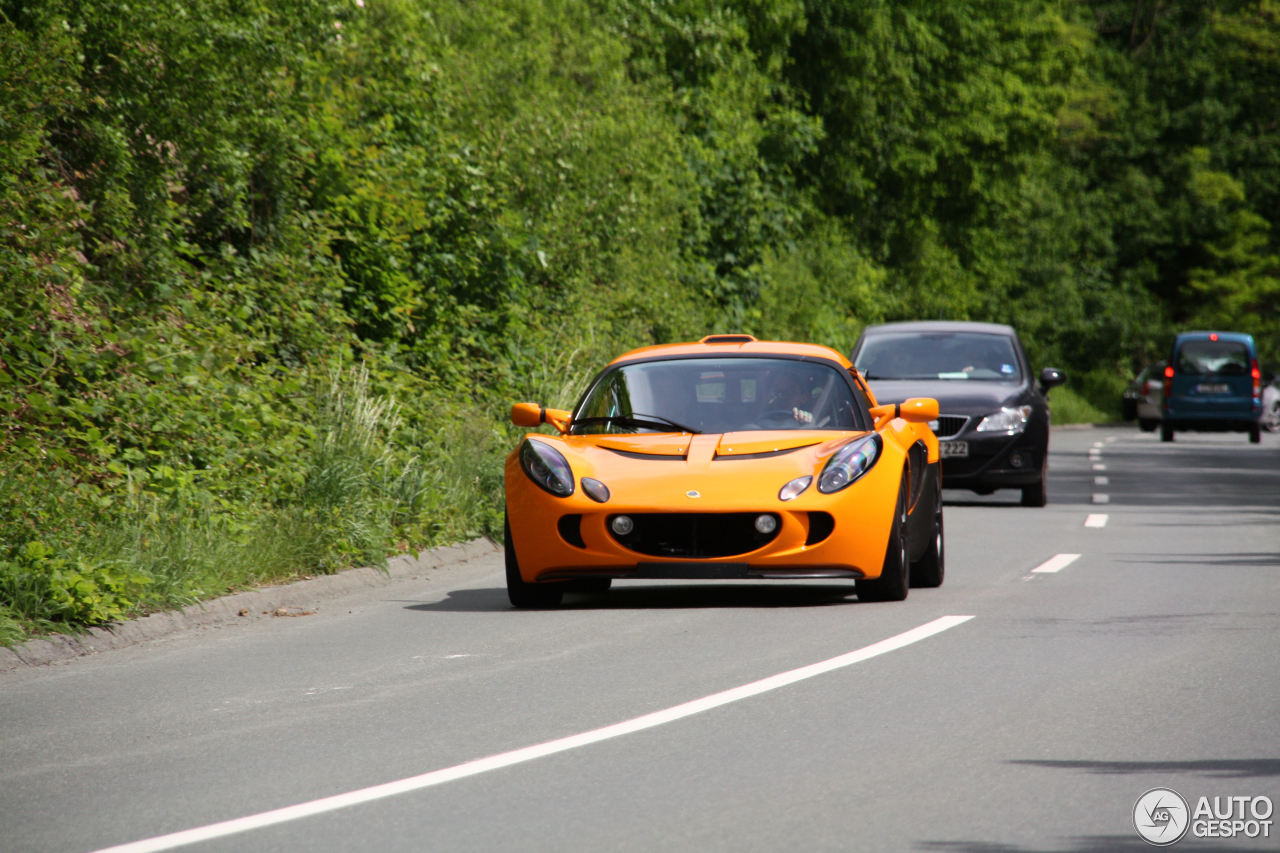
[[1161, 817]]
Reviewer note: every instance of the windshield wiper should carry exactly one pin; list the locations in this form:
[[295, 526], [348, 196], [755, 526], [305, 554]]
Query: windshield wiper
[[637, 419]]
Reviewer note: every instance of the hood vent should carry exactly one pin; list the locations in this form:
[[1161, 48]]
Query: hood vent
[[653, 457], [761, 455]]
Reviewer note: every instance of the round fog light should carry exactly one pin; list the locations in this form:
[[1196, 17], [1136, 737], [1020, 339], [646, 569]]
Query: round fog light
[[766, 524], [622, 525]]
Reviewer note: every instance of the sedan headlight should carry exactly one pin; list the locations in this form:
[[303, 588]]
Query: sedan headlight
[[546, 467], [849, 463], [1009, 420]]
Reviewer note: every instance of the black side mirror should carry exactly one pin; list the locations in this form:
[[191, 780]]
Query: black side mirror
[[1051, 377]]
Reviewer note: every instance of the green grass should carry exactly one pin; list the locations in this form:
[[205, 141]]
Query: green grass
[[359, 498], [1069, 407]]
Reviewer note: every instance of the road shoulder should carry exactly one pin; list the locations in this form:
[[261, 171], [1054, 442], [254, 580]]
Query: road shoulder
[[270, 602]]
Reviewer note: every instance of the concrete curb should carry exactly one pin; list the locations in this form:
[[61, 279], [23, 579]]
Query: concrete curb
[[292, 599]]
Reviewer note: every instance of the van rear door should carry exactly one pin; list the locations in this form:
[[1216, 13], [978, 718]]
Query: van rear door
[[1212, 379]]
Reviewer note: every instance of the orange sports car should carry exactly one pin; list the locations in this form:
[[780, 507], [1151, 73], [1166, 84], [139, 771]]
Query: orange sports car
[[725, 458]]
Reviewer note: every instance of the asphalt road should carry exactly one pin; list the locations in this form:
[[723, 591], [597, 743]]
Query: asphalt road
[[1122, 639]]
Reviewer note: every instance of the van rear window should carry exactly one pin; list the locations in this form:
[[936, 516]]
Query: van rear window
[[1213, 358]]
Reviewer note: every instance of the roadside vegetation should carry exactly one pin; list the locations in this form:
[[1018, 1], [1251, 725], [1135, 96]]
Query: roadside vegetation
[[271, 272]]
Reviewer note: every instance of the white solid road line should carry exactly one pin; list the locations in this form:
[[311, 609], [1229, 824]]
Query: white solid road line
[[528, 753], [1056, 563]]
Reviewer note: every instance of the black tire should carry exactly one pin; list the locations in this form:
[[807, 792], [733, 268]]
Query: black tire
[[522, 593], [1255, 433], [1148, 424], [929, 570], [1166, 432], [895, 576], [1037, 494]]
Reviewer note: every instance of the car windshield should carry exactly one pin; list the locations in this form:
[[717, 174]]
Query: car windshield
[[1213, 358], [939, 355], [717, 395]]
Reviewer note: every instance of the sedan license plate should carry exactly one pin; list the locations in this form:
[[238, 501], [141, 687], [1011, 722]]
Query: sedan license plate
[[953, 448], [1212, 388]]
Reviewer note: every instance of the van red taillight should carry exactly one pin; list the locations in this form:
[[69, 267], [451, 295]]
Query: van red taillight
[[1257, 379], [1168, 384]]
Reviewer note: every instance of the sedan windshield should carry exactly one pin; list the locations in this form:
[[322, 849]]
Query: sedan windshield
[[949, 355], [717, 395]]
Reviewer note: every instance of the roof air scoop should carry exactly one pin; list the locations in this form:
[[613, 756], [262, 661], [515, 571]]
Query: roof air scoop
[[728, 339]]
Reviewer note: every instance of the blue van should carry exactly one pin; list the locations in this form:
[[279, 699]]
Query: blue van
[[1212, 382]]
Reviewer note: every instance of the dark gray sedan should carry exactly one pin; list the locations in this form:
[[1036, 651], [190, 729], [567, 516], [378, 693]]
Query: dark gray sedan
[[993, 427]]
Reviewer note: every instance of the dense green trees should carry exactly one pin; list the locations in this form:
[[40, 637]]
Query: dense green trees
[[271, 271]]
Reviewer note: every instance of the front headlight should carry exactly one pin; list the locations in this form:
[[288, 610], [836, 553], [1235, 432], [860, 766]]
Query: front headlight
[[849, 463], [546, 467], [1009, 420]]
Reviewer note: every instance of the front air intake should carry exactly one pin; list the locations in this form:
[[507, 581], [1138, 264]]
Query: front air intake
[[694, 535], [821, 525]]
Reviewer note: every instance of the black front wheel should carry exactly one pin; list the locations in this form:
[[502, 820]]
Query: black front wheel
[[1037, 494], [928, 571], [895, 576], [522, 593]]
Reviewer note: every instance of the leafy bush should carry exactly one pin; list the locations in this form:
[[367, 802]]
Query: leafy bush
[[40, 586]]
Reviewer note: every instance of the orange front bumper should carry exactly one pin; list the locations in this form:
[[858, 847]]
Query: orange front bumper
[[839, 535]]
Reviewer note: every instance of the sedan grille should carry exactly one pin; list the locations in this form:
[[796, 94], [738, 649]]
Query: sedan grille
[[949, 425], [694, 535]]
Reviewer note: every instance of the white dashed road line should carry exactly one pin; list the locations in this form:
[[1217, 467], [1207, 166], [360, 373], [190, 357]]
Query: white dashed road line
[[1055, 564], [1095, 458], [1096, 519]]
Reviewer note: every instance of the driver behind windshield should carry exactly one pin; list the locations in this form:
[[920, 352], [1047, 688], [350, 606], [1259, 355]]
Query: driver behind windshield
[[791, 391]]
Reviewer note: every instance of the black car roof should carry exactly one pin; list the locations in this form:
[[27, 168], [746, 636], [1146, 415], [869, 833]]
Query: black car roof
[[940, 326]]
